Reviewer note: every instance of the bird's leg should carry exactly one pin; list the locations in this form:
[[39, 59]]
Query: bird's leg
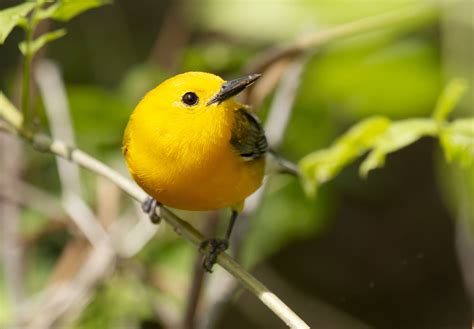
[[149, 207], [216, 246]]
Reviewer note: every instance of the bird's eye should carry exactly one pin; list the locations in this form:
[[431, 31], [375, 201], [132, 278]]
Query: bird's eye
[[190, 98]]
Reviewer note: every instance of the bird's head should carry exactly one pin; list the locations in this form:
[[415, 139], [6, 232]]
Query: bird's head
[[195, 92]]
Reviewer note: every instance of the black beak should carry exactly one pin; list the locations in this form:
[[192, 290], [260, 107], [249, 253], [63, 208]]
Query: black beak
[[233, 87]]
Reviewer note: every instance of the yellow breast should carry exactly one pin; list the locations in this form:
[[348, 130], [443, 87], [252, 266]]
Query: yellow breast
[[182, 156]]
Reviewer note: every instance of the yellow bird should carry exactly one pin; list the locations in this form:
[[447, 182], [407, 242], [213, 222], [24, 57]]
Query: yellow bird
[[191, 146]]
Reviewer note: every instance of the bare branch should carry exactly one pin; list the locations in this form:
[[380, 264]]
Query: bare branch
[[27, 195], [321, 38], [182, 228], [129, 238], [44, 311], [273, 61], [54, 96], [282, 103], [108, 202]]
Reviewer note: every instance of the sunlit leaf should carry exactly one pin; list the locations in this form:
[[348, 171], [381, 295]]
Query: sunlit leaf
[[320, 166], [11, 17], [44, 13], [67, 9], [449, 99], [457, 140], [399, 135], [41, 41]]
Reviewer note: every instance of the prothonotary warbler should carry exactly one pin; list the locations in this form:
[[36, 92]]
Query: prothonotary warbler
[[190, 145]]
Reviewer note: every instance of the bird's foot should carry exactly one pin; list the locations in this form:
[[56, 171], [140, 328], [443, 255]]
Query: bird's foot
[[149, 207], [216, 246]]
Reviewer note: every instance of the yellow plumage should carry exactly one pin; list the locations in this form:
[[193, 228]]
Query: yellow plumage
[[194, 157]]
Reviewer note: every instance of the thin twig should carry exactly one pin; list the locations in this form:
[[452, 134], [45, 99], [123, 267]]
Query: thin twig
[[108, 202], [282, 103], [320, 38], [182, 228], [59, 298], [27, 195], [53, 93], [128, 239], [58, 303], [25, 90], [30, 240], [64, 300], [273, 62]]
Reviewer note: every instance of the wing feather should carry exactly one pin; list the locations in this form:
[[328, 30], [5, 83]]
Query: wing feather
[[248, 137]]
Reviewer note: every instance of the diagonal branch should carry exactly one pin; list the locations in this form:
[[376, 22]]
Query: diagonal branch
[[274, 61], [46, 144], [53, 93], [323, 37]]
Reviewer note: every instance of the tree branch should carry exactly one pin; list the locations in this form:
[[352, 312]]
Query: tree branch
[[46, 144], [274, 61], [53, 93], [320, 38]]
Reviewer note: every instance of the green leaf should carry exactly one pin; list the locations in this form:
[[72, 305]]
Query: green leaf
[[44, 13], [399, 135], [68, 9], [449, 99], [9, 113], [457, 140], [320, 166], [41, 41], [11, 17]]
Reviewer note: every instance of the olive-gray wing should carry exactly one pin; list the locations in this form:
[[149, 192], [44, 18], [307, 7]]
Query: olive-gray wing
[[248, 137]]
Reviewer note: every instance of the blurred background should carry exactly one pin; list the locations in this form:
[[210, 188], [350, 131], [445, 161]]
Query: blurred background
[[394, 250]]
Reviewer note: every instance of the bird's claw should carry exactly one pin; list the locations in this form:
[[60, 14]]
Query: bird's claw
[[149, 207], [216, 246]]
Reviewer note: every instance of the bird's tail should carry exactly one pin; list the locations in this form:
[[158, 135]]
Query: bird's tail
[[276, 164]]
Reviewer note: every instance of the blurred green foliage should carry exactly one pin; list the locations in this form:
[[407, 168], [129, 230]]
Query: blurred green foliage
[[403, 74], [382, 136], [458, 142], [322, 165], [90, 108], [41, 41], [380, 83], [65, 10], [62, 10], [11, 17], [288, 17], [112, 307]]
